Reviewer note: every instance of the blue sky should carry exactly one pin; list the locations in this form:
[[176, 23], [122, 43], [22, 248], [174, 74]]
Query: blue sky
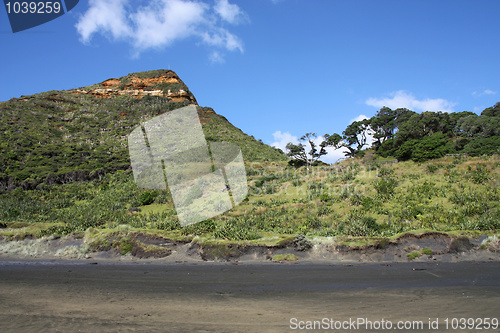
[[276, 69]]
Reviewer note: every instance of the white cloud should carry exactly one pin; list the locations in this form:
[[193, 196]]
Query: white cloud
[[109, 17], [334, 155], [484, 92], [163, 22], [222, 38], [229, 12], [403, 99], [282, 139], [160, 23], [216, 58]]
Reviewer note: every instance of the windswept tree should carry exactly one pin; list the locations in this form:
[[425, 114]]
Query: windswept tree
[[356, 136], [354, 139], [298, 151]]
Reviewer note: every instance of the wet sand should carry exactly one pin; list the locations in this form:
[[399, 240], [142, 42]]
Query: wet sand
[[85, 296]]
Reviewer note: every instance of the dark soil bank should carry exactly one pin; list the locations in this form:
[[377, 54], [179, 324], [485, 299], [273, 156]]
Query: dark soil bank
[[132, 246]]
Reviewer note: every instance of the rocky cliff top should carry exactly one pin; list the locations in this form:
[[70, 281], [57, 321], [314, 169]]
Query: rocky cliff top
[[164, 83]]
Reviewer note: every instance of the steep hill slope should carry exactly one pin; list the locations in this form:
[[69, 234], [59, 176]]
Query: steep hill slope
[[79, 134]]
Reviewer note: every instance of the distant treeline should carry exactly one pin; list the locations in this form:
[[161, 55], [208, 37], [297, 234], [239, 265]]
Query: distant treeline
[[406, 135]]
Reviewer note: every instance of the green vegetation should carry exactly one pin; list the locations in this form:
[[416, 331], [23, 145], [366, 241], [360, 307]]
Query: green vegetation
[[427, 251], [64, 169], [414, 255], [60, 137], [352, 199], [285, 257], [408, 135]]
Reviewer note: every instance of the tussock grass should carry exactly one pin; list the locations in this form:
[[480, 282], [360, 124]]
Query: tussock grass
[[355, 198]]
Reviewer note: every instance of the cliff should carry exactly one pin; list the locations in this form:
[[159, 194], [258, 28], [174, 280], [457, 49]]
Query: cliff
[[163, 83]]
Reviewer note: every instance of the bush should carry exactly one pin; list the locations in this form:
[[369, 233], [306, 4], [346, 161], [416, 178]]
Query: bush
[[302, 243], [348, 175], [199, 228], [314, 190], [427, 251], [235, 229], [356, 199], [480, 175], [270, 189], [325, 197], [367, 202], [414, 255], [312, 222], [430, 147], [147, 198], [483, 146], [431, 168], [168, 225], [358, 225], [384, 172], [385, 187], [419, 150], [373, 166], [324, 210]]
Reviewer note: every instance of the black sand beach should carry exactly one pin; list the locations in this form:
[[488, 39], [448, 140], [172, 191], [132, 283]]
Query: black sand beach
[[101, 296]]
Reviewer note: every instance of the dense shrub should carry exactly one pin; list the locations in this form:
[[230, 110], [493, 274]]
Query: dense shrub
[[147, 198], [385, 187], [358, 225], [483, 146], [235, 229]]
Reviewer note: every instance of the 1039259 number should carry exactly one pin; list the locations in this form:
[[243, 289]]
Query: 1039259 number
[[471, 323], [33, 7]]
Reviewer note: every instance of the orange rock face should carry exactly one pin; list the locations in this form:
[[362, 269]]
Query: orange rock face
[[111, 83], [138, 87]]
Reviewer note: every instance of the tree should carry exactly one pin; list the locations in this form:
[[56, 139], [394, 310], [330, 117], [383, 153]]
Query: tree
[[334, 140], [298, 151], [455, 118], [383, 124], [493, 111], [478, 126], [419, 150], [356, 134]]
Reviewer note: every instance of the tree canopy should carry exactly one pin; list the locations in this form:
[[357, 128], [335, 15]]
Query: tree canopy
[[405, 134]]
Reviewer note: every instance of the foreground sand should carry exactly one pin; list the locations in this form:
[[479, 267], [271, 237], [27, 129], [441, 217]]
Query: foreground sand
[[101, 296]]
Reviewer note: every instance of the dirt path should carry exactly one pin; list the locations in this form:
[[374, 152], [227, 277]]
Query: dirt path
[[223, 297]]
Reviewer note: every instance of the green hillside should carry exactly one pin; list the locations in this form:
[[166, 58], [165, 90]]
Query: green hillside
[[65, 136], [65, 169], [354, 201]]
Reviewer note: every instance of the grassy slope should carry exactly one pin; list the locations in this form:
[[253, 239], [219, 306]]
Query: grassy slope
[[60, 133], [357, 198]]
